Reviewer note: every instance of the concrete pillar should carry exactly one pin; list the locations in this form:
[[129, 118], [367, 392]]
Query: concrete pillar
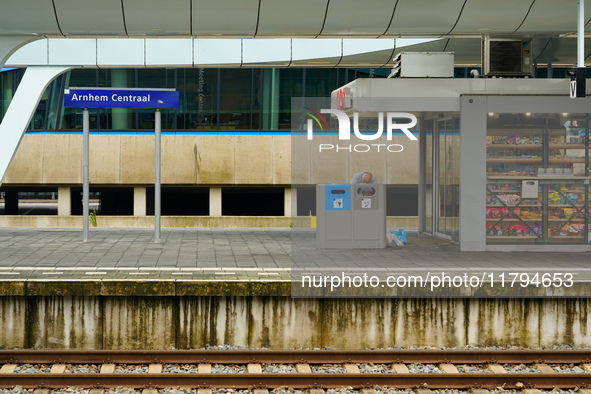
[[290, 205], [120, 116], [139, 201], [473, 173], [270, 99], [64, 201], [215, 201], [11, 203]]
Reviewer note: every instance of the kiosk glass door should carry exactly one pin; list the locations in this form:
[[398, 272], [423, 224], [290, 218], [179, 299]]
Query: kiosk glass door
[[446, 179]]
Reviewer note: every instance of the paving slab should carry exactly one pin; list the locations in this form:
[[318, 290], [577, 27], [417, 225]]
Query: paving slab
[[246, 254]]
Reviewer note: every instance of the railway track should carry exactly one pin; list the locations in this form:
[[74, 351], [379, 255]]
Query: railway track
[[494, 369]]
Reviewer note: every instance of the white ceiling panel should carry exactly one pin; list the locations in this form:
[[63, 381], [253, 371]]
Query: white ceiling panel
[[27, 16], [157, 17], [217, 52], [32, 54], [302, 18], [368, 59], [316, 52], [266, 52], [369, 18], [225, 17], [120, 52], [90, 17], [354, 46], [320, 62], [431, 46], [553, 16], [72, 51], [501, 16], [425, 16], [163, 52], [311, 48]]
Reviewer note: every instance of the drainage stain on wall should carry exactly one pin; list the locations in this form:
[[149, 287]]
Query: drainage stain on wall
[[493, 322], [285, 322], [353, 323], [278, 322], [139, 323], [13, 322], [430, 322], [212, 321], [65, 322], [565, 321]]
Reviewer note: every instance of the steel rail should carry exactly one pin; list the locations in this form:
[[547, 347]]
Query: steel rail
[[295, 356], [299, 381]]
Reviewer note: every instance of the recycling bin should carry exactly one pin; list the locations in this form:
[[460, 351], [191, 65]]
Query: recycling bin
[[350, 216]]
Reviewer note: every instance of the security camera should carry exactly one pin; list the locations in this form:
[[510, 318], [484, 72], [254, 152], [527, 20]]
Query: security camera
[[572, 73]]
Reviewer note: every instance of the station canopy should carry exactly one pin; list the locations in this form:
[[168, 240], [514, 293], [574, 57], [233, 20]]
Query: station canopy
[[451, 25]]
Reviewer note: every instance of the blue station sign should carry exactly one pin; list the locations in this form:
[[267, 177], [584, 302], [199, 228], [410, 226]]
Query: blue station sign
[[121, 98]]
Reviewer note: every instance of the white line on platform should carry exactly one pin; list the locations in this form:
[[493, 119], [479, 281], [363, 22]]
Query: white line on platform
[[219, 270]]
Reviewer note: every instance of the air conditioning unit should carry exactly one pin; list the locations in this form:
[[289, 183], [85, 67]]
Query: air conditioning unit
[[423, 65], [507, 57]]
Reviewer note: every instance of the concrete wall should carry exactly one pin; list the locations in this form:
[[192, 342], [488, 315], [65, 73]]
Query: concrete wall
[[167, 314], [179, 221], [56, 159]]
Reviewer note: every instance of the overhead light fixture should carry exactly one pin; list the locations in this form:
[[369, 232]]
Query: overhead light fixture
[[490, 114], [528, 113], [158, 31], [564, 113]]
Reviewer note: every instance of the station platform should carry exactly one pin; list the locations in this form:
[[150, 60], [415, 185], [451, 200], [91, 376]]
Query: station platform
[[242, 254], [204, 287]]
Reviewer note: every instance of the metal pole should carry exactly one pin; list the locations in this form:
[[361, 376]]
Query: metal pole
[[581, 35], [85, 187], [157, 178], [581, 73], [422, 176]]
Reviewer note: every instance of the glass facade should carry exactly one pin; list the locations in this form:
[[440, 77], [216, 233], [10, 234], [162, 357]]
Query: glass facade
[[537, 178], [212, 100]]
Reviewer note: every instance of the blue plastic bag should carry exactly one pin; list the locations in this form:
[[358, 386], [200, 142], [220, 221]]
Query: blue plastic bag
[[401, 235]]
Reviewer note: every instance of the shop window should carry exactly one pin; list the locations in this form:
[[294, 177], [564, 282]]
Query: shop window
[[536, 168]]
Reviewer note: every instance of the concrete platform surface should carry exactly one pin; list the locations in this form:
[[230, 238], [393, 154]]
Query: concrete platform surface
[[251, 254]]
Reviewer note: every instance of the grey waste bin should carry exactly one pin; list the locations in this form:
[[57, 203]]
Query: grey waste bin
[[347, 218]]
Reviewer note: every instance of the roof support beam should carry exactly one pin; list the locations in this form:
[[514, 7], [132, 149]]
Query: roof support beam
[[21, 109], [9, 45]]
